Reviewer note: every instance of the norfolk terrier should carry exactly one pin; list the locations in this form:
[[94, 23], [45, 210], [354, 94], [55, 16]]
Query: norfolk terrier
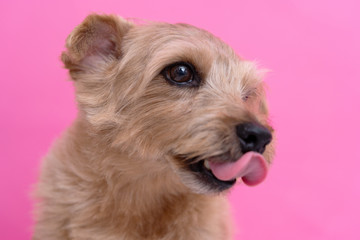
[[169, 119]]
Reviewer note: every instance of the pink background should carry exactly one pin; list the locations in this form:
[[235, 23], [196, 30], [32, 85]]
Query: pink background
[[313, 50]]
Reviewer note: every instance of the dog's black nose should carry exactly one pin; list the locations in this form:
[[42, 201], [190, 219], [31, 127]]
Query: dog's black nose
[[253, 137]]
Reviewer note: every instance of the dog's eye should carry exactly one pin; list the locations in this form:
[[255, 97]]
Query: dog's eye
[[249, 94], [245, 98], [181, 74]]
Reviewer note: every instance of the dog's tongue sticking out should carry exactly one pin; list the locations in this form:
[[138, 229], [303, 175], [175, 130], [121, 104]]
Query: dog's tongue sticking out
[[251, 167]]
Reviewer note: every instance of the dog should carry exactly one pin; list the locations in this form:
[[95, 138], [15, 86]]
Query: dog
[[170, 118]]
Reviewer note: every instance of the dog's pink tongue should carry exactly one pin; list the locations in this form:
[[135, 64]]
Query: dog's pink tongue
[[251, 167]]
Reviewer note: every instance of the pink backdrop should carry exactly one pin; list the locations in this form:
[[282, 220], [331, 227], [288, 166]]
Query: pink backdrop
[[313, 50]]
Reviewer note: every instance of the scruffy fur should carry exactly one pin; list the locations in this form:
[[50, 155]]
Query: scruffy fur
[[118, 172]]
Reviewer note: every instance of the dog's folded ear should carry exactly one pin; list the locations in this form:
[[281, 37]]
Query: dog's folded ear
[[97, 39]]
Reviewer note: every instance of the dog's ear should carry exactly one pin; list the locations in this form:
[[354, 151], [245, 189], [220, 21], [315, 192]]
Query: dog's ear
[[96, 40]]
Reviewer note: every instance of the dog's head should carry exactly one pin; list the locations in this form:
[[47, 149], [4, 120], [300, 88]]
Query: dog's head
[[174, 93]]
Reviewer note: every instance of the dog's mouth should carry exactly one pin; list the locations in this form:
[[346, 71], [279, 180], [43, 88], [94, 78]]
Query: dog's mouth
[[205, 175], [251, 168]]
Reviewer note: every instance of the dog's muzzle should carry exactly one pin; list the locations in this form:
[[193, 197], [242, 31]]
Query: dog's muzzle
[[251, 167]]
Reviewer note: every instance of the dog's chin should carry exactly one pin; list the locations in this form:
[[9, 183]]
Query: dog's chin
[[207, 179]]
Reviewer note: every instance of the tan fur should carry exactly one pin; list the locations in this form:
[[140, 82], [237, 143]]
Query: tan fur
[[118, 173]]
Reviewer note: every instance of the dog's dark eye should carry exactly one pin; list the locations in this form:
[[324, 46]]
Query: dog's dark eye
[[249, 94], [181, 74]]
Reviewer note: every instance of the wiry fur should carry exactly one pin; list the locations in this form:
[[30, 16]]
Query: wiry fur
[[118, 172]]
